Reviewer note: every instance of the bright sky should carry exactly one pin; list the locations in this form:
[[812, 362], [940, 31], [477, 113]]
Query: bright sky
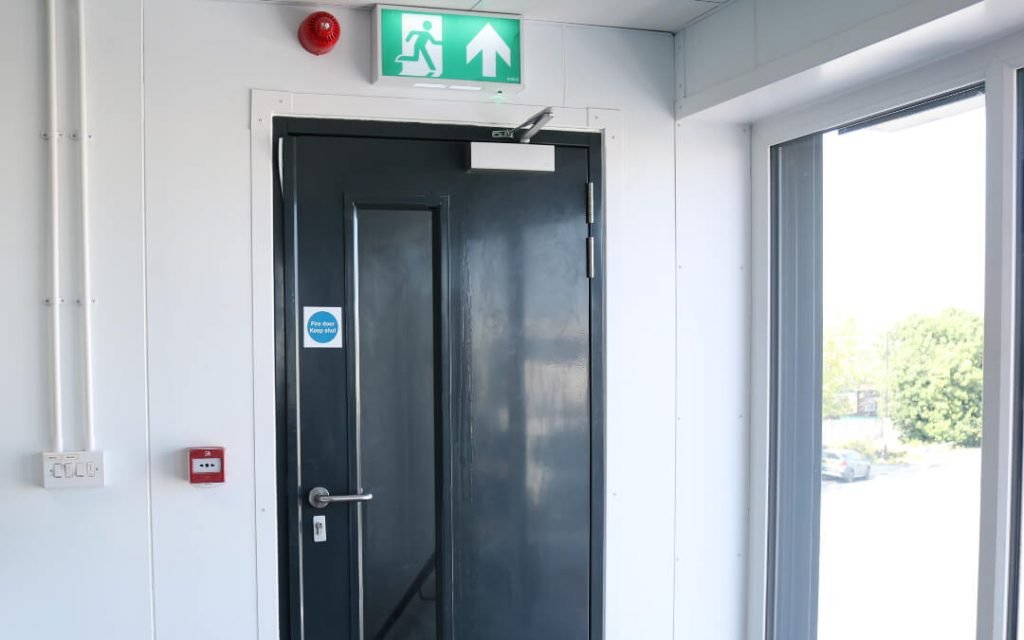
[[905, 218]]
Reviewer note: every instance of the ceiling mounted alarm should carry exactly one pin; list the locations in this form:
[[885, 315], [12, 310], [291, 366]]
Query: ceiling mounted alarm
[[319, 32]]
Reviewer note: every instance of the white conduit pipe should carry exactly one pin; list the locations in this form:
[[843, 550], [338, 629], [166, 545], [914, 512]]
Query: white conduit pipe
[[87, 301], [55, 299]]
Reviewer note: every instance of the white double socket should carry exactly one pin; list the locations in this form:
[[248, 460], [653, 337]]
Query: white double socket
[[73, 469]]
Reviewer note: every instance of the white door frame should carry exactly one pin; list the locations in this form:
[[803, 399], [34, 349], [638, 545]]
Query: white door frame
[[996, 65], [265, 105]]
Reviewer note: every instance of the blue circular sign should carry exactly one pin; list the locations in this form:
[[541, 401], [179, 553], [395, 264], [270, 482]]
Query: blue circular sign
[[322, 327]]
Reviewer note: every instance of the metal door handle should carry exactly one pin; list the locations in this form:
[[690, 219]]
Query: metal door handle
[[320, 497]]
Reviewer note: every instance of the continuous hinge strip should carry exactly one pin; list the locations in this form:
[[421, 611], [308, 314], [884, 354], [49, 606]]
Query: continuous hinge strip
[[590, 203], [591, 258]]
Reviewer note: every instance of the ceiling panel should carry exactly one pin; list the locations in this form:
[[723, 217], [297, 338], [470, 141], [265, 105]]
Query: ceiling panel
[[460, 5], [657, 15]]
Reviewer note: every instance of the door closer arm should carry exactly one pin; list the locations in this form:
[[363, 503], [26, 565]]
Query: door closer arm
[[525, 132]]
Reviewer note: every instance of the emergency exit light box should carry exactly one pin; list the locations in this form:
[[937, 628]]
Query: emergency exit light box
[[440, 49]]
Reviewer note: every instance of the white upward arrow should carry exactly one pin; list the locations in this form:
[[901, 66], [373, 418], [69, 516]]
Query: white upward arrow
[[489, 44]]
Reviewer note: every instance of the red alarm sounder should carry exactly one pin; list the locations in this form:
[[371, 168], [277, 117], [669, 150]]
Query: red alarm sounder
[[319, 32]]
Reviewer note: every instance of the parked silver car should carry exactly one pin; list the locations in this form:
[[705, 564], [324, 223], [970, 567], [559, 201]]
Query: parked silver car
[[844, 465]]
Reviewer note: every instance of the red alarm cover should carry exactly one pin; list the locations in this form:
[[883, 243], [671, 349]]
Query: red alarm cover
[[206, 465], [319, 32]]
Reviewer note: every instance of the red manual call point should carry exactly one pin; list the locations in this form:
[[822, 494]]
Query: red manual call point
[[319, 32]]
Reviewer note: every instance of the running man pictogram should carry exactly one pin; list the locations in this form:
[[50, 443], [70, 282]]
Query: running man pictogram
[[419, 47]]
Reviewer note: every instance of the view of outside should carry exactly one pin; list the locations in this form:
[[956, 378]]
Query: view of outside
[[902, 378]]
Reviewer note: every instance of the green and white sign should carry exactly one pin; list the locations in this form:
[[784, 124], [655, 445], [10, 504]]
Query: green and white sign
[[448, 48]]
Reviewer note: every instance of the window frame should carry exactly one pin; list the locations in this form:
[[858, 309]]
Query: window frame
[[1013, 615], [797, 188], [996, 66]]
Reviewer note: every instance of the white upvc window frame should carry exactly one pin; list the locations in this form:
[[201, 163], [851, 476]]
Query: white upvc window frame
[[996, 64]]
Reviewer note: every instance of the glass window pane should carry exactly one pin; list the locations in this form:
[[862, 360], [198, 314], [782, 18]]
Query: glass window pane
[[396, 360], [903, 264]]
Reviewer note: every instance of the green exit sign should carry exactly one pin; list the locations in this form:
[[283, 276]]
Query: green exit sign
[[448, 49]]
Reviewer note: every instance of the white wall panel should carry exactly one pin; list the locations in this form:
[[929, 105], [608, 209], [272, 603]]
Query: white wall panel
[[636, 74], [712, 311], [73, 559]]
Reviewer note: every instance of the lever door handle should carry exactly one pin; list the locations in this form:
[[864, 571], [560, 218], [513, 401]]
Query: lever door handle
[[320, 497]]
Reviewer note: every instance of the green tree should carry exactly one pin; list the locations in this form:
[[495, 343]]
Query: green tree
[[937, 378], [849, 364]]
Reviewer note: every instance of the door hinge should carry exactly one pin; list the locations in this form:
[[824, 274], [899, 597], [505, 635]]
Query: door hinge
[[590, 203], [591, 258]]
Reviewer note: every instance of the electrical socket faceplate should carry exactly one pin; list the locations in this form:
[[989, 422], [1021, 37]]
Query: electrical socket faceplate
[[73, 469]]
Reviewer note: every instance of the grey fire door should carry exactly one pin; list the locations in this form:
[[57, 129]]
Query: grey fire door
[[440, 415]]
